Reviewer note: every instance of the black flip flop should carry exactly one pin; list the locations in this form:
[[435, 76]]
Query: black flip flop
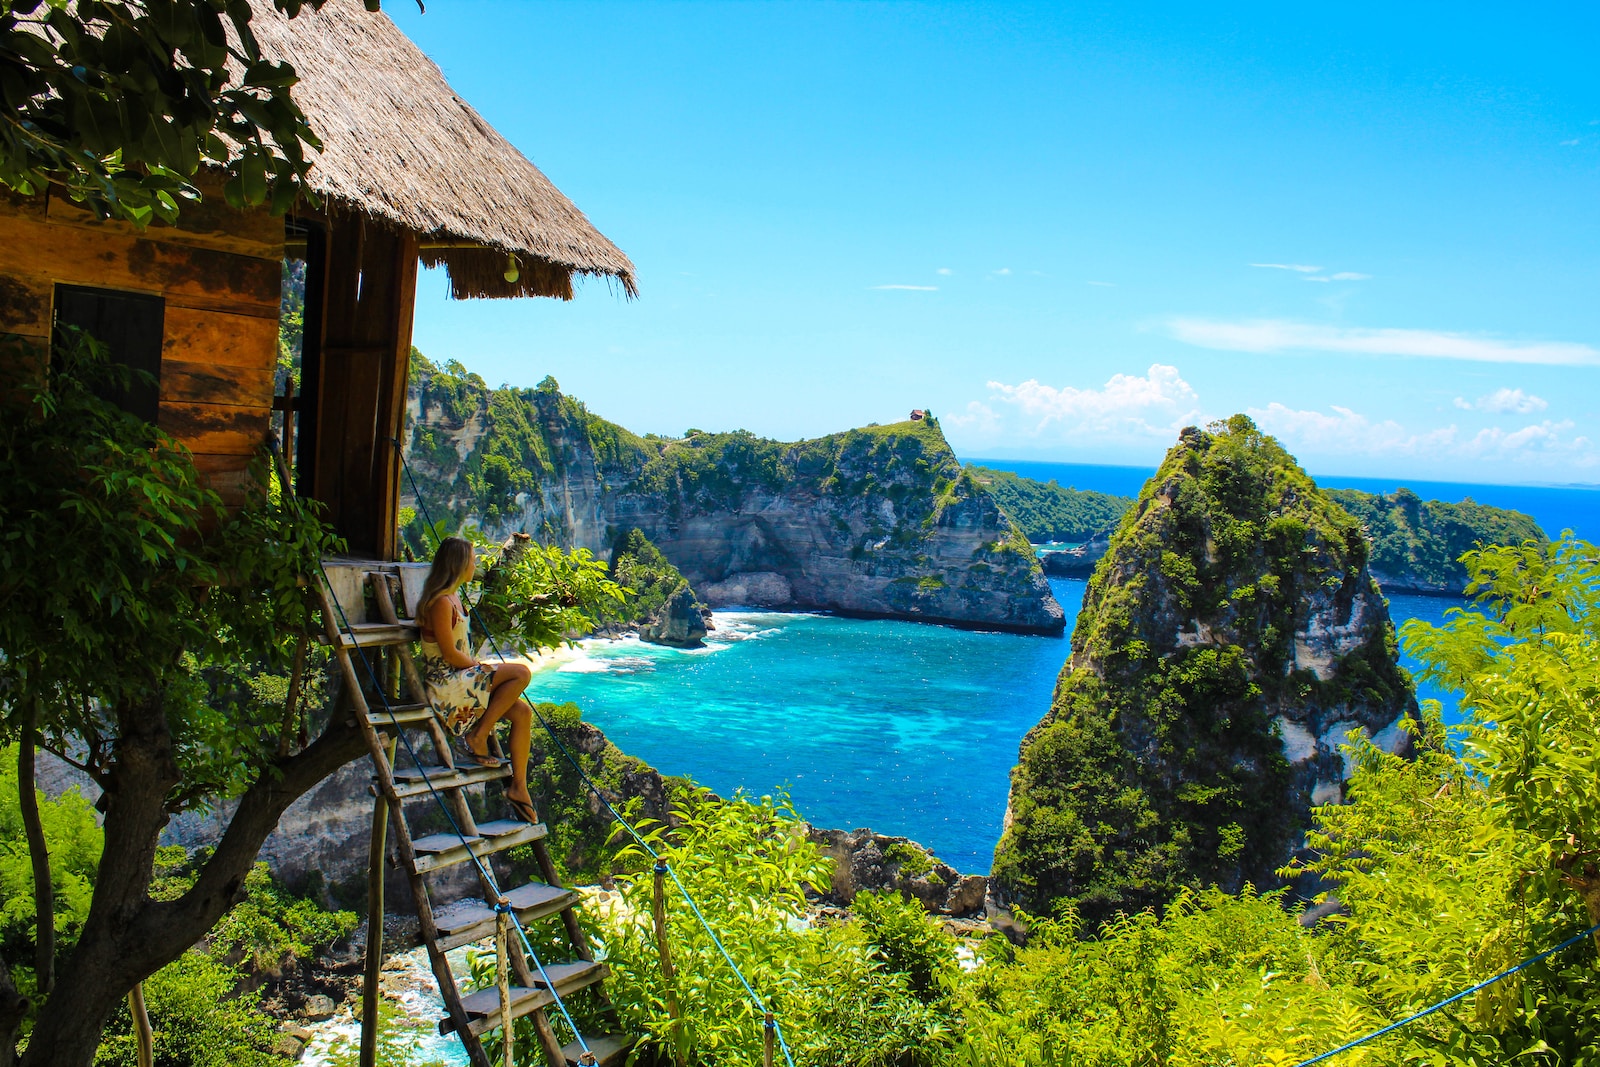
[[523, 810]]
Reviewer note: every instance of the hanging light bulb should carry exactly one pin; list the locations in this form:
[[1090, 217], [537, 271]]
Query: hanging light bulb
[[511, 274]]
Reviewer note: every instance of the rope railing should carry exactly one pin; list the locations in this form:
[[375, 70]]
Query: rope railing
[[1447, 1001], [772, 1029]]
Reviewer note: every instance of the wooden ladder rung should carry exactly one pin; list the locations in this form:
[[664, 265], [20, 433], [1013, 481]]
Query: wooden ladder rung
[[404, 715], [467, 922], [377, 635], [480, 847], [483, 1007], [412, 785], [609, 1049]]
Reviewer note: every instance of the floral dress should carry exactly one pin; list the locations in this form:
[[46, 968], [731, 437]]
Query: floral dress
[[460, 694]]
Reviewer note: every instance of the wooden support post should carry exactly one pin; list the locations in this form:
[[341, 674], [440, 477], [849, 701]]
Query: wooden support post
[[658, 913], [502, 945], [548, 1039], [141, 1027], [373, 973], [768, 1031], [575, 935]]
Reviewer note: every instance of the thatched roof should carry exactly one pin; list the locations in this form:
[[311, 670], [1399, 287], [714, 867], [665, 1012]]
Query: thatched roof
[[399, 145]]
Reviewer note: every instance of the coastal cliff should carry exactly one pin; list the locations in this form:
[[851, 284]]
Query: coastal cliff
[[1229, 640], [878, 521]]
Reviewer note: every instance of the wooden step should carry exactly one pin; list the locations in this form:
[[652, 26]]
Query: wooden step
[[459, 853], [608, 1049], [442, 842], [466, 922], [483, 1007], [403, 714], [412, 785], [377, 635]]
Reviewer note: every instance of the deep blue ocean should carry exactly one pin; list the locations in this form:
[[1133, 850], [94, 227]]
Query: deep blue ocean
[[905, 727]]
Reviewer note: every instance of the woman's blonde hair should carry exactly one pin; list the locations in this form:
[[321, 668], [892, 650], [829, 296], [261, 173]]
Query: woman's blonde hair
[[450, 566]]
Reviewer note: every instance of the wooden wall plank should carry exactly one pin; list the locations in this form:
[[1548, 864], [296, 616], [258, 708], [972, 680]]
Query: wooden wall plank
[[25, 304], [219, 339], [204, 383], [215, 428], [194, 277], [28, 207], [209, 224]]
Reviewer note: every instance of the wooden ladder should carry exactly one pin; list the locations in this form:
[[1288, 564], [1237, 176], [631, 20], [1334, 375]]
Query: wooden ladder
[[362, 604]]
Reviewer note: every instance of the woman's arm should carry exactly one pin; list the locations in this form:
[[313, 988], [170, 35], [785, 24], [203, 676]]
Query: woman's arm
[[440, 617]]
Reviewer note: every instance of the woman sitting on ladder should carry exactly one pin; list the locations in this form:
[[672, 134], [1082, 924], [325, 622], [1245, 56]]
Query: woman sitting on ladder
[[472, 695]]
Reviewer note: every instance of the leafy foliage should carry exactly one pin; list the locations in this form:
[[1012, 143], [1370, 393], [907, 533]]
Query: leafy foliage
[[156, 564], [1047, 512], [1419, 543], [121, 102], [838, 1002], [199, 1019], [537, 596], [73, 839]]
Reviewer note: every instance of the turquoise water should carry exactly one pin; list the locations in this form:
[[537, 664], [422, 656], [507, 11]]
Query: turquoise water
[[901, 726], [904, 727]]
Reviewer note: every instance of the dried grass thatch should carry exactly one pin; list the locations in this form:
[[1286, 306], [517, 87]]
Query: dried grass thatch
[[399, 145]]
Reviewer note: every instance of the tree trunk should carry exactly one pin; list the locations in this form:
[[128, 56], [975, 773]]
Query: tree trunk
[[127, 936], [44, 892]]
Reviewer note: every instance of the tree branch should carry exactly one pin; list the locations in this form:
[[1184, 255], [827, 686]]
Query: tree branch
[[279, 784], [97, 776], [44, 892]]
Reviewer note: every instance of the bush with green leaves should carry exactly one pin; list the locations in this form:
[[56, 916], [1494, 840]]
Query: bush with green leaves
[[748, 864]]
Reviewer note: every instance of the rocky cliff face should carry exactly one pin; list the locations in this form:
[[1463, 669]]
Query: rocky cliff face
[[1229, 640], [879, 521]]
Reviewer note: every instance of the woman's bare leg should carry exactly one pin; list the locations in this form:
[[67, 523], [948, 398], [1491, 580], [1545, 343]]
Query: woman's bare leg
[[510, 679], [505, 701], [521, 716]]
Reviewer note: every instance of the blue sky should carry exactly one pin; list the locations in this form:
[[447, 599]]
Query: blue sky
[[1067, 230]]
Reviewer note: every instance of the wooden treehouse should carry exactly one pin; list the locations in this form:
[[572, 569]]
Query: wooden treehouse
[[409, 174]]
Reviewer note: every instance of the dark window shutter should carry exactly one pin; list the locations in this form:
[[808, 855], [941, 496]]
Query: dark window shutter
[[130, 326]]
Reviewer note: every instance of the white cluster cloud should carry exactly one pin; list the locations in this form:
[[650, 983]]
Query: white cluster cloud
[[1155, 404], [1342, 431], [1281, 335], [1504, 401], [1134, 409]]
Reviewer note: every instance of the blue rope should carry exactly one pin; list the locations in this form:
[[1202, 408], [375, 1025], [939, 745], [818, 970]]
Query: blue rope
[[1569, 942], [483, 871], [755, 998]]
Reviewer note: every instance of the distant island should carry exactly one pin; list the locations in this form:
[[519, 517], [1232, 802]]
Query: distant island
[[1416, 544]]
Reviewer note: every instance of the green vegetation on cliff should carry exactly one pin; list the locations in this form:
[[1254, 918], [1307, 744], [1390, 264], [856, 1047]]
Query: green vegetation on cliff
[[1159, 764], [638, 566], [517, 438], [1047, 512], [1418, 544]]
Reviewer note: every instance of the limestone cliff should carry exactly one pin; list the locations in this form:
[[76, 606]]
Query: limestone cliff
[[1228, 641], [880, 521]]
